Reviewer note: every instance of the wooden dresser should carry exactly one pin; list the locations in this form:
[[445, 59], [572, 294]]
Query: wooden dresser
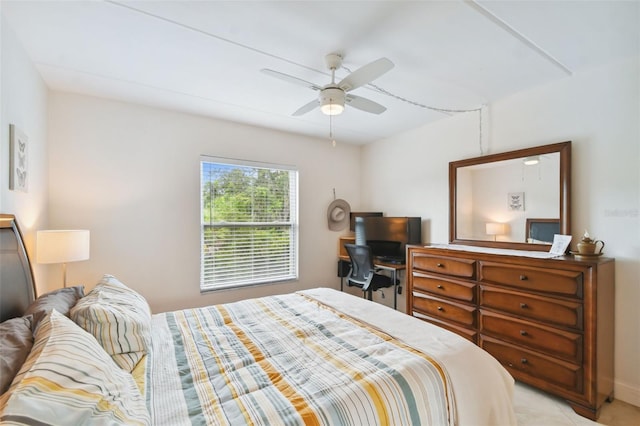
[[548, 321]]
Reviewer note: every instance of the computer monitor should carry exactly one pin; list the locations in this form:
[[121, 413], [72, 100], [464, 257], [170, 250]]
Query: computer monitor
[[388, 236], [354, 215]]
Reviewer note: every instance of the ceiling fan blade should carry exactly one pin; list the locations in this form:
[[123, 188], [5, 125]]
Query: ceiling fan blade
[[307, 107], [365, 104], [365, 74], [290, 79]]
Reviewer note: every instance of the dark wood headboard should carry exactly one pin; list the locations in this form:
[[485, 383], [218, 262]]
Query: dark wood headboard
[[17, 287]]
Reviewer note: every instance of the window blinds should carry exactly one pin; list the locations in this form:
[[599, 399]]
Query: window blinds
[[248, 223]]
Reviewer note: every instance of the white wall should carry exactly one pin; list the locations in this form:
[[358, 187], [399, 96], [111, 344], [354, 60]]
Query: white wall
[[599, 111], [24, 103], [131, 175]]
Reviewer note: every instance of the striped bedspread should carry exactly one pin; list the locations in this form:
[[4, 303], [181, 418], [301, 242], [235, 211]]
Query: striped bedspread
[[288, 360]]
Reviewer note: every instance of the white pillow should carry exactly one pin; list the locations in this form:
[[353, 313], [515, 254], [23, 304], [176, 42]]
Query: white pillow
[[119, 319], [68, 379]]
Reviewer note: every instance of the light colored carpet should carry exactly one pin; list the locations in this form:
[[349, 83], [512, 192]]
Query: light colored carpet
[[536, 408]]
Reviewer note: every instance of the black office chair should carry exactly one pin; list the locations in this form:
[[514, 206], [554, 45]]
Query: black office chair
[[362, 273]]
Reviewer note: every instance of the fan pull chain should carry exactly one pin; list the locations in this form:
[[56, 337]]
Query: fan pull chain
[[333, 141]]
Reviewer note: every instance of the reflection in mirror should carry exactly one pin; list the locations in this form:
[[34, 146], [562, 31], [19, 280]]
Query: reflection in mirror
[[511, 199], [506, 193], [541, 231]]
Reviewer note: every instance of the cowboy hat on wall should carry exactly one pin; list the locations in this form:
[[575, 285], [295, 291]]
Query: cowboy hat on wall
[[338, 215]]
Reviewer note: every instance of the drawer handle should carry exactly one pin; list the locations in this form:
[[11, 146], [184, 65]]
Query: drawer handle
[[524, 361], [523, 278], [439, 265], [440, 308], [523, 332], [440, 286], [524, 305]]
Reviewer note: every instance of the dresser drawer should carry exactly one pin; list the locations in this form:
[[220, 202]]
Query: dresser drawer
[[445, 310], [455, 289], [467, 333], [550, 340], [464, 268], [553, 281], [533, 368], [562, 313]]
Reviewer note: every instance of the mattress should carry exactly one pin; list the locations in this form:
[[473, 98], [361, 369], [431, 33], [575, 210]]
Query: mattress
[[318, 356]]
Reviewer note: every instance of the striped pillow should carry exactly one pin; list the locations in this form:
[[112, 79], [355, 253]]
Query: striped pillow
[[119, 319], [69, 379]]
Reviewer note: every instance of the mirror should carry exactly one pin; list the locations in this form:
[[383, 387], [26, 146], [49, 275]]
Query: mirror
[[512, 199]]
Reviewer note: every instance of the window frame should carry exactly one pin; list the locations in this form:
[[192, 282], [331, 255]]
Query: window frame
[[291, 273]]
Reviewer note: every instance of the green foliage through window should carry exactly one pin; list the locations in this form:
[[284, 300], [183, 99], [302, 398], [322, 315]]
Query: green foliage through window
[[249, 223]]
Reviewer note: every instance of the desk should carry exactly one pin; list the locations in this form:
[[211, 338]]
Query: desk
[[394, 268]]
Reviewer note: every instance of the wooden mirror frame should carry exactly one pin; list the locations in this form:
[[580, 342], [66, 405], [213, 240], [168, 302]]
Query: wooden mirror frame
[[563, 148]]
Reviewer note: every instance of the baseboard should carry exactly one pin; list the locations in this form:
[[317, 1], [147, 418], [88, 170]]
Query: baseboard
[[626, 392]]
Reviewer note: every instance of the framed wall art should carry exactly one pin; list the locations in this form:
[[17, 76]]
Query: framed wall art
[[18, 159], [516, 201]]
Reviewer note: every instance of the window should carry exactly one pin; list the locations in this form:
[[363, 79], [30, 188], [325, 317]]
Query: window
[[249, 223]]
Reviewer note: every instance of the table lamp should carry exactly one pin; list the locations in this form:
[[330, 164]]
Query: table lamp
[[62, 246], [495, 229]]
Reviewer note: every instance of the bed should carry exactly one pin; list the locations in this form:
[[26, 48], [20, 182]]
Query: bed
[[316, 356]]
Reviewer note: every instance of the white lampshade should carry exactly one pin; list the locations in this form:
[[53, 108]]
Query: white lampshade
[[62, 246], [494, 228]]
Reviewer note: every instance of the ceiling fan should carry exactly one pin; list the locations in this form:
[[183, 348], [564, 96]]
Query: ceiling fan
[[333, 96]]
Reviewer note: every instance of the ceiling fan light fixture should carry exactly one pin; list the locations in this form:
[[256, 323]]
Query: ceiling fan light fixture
[[531, 161], [332, 101], [332, 109], [333, 97]]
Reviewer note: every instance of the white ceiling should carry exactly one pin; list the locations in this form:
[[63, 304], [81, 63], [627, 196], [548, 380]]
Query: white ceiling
[[205, 57]]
